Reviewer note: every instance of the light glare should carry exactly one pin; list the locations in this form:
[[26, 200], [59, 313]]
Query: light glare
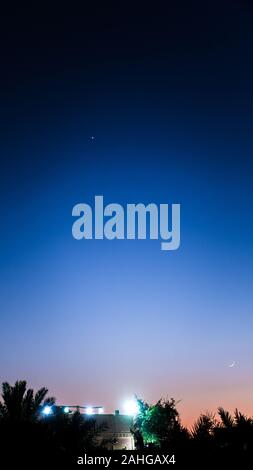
[[47, 410], [131, 407]]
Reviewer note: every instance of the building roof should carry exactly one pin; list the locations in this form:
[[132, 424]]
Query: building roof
[[114, 423]]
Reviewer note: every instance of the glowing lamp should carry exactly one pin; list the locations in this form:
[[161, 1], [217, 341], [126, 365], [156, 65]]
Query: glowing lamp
[[47, 410], [131, 407]]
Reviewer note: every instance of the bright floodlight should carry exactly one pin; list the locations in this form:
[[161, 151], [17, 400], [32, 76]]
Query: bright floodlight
[[131, 407], [89, 410], [66, 409], [100, 411], [47, 410]]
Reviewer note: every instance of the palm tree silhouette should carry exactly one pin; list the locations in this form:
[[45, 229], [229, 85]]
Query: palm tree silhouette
[[21, 404], [204, 427], [227, 420]]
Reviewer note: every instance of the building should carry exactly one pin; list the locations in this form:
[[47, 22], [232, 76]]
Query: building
[[115, 431]]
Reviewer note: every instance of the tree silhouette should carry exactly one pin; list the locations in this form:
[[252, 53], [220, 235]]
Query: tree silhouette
[[20, 404], [203, 428], [58, 437], [227, 420], [157, 424], [234, 431]]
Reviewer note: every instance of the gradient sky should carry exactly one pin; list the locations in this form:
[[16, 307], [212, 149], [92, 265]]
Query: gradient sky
[[168, 95]]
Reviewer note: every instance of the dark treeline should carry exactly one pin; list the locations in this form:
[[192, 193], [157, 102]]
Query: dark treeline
[[27, 436]]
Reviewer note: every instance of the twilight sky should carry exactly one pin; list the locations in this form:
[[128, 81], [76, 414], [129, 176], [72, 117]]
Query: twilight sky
[[167, 93]]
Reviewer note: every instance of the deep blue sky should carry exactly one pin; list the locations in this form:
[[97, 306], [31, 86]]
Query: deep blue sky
[[167, 93]]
